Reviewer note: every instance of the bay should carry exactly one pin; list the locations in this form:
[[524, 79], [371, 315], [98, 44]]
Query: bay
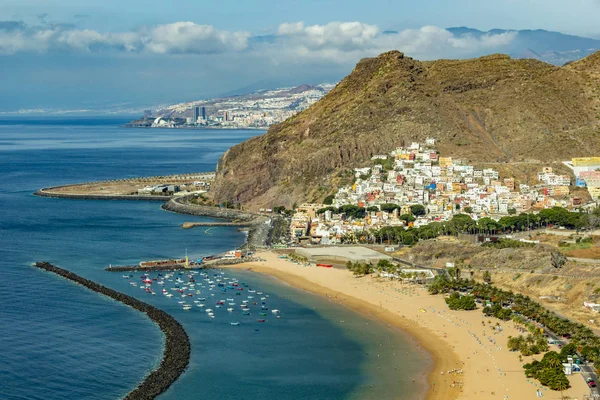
[[60, 341]]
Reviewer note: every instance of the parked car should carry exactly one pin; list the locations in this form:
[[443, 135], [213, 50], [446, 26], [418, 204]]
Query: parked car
[[591, 383]]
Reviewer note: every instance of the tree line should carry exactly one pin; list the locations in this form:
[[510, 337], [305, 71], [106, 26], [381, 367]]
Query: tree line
[[463, 223], [507, 305]]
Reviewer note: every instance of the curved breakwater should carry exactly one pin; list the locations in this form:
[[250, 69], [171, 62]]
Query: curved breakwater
[[176, 355]]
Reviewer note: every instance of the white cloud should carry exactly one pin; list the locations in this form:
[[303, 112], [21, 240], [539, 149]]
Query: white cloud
[[339, 42], [176, 38]]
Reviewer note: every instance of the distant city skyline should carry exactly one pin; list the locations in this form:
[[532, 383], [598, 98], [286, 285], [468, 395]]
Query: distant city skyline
[[109, 54]]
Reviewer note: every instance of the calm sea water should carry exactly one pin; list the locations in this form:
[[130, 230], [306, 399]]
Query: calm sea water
[[60, 341]]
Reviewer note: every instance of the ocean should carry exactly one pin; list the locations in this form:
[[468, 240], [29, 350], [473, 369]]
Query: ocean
[[61, 341]]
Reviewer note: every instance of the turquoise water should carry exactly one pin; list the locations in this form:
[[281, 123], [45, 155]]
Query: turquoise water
[[59, 341]]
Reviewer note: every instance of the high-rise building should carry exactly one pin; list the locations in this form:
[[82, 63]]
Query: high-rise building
[[196, 113], [204, 113]]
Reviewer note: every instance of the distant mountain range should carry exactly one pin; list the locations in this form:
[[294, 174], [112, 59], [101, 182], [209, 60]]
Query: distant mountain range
[[551, 47]]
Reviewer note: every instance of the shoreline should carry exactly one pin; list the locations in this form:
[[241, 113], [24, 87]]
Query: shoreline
[[442, 357], [470, 357], [43, 192], [176, 353]]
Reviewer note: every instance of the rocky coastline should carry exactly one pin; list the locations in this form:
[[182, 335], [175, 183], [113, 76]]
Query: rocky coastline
[[176, 354], [259, 226]]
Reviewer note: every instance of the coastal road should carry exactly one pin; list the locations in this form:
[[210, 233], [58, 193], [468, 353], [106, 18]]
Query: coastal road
[[587, 369]]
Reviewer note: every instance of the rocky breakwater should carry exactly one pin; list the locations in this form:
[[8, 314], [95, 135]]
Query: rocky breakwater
[[259, 226], [176, 355]]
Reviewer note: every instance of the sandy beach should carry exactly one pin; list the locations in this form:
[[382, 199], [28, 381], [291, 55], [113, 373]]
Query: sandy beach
[[469, 351]]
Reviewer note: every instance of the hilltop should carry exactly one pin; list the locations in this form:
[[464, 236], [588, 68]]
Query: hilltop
[[492, 109]]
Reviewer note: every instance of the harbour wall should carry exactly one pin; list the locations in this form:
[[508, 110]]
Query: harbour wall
[[44, 193], [177, 267], [176, 356], [259, 225]]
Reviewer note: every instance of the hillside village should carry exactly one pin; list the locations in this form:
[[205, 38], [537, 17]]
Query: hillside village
[[415, 186]]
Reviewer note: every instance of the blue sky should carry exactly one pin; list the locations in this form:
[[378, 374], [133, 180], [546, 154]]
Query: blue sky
[[74, 54]]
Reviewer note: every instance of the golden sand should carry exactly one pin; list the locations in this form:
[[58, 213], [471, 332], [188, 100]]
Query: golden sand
[[470, 358]]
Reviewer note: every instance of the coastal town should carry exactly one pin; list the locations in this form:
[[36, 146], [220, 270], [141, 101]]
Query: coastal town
[[414, 186], [257, 110]]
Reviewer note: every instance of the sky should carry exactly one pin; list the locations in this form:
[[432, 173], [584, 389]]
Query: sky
[[128, 54]]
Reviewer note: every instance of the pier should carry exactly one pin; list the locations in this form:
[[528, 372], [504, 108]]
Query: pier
[[188, 225]]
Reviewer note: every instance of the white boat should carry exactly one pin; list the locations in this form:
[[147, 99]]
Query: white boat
[[235, 323], [187, 307], [230, 309], [208, 310], [275, 311]]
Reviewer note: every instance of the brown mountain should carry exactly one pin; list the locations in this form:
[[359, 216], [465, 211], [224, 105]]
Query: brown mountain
[[492, 109]]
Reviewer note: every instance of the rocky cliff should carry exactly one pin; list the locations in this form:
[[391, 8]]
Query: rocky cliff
[[492, 109]]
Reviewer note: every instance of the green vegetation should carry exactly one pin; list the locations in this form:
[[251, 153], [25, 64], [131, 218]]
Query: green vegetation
[[359, 269], [521, 309], [460, 223], [298, 257], [417, 210], [528, 345], [496, 310], [282, 210], [388, 207], [457, 302], [548, 371], [329, 199]]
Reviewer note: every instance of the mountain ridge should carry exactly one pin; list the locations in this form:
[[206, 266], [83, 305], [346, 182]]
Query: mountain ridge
[[488, 109]]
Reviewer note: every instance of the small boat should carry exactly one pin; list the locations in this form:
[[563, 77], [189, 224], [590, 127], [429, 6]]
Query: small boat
[[235, 323], [230, 309], [275, 311], [263, 314], [208, 310], [246, 313], [187, 307], [261, 320]]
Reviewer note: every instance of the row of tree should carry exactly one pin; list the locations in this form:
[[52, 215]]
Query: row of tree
[[508, 305], [463, 223], [360, 269], [549, 371]]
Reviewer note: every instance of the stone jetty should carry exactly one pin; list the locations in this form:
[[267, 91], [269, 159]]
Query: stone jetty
[[178, 267], [176, 355]]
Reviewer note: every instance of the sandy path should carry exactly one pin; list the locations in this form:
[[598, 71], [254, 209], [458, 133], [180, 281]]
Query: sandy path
[[456, 340]]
